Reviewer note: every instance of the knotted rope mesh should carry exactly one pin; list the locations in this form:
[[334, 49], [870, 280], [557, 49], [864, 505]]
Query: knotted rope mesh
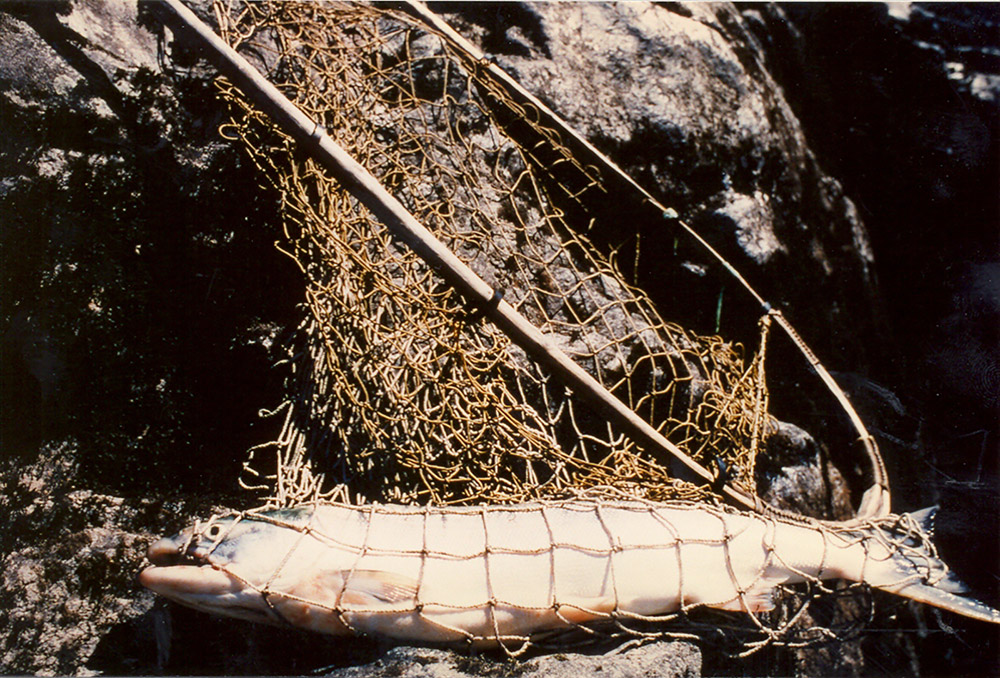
[[401, 392], [554, 573]]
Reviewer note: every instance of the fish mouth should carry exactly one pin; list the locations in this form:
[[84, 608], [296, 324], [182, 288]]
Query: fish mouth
[[207, 589], [176, 573], [169, 551], [198, 580]]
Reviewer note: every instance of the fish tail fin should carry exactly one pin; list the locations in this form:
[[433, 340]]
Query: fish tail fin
[[915, 571], [925, 519], [948, 594]]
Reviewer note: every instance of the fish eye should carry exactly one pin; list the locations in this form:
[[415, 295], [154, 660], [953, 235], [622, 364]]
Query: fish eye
[[213, 532]]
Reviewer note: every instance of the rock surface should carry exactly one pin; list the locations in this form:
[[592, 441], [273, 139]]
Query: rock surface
[[125, 330], [680, 97], [909, 117], [143, 301], [669, 660]]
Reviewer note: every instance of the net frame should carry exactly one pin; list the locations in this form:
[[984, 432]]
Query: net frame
[[624, 471], [663, 343]]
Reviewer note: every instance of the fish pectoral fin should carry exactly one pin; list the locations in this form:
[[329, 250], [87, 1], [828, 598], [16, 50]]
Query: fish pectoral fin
[[377, 587], [757, 598]]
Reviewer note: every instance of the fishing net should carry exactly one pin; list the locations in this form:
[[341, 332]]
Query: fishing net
[[401, 392]]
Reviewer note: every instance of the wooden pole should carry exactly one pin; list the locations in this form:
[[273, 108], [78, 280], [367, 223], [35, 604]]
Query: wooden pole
[[366, 188]]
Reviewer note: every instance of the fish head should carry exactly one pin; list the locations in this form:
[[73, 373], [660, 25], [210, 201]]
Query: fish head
[[222, 566]]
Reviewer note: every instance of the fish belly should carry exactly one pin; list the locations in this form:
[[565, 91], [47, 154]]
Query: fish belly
[[505, 572]]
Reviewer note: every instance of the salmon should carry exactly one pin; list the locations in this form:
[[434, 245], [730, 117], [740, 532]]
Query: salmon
[[502, 574]]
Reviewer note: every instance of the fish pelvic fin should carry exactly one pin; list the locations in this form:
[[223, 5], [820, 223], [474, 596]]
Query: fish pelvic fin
[[583, 610], [758, 598]]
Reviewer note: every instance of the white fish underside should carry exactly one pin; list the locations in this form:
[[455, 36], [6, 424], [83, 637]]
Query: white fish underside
[[503, 573]]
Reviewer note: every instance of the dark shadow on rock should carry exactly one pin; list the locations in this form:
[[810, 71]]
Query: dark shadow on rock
[[173, 640], [510, 27], [132, 648]]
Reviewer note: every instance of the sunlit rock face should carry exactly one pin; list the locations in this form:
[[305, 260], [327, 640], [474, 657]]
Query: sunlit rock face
[[681, 96]]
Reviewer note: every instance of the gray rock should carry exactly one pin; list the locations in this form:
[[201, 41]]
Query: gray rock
[[796, 475], [680, 97], [907, 119], [68, 564], [666, 659]]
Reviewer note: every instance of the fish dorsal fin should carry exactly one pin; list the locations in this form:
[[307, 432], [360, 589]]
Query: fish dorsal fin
[[376, 588]]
